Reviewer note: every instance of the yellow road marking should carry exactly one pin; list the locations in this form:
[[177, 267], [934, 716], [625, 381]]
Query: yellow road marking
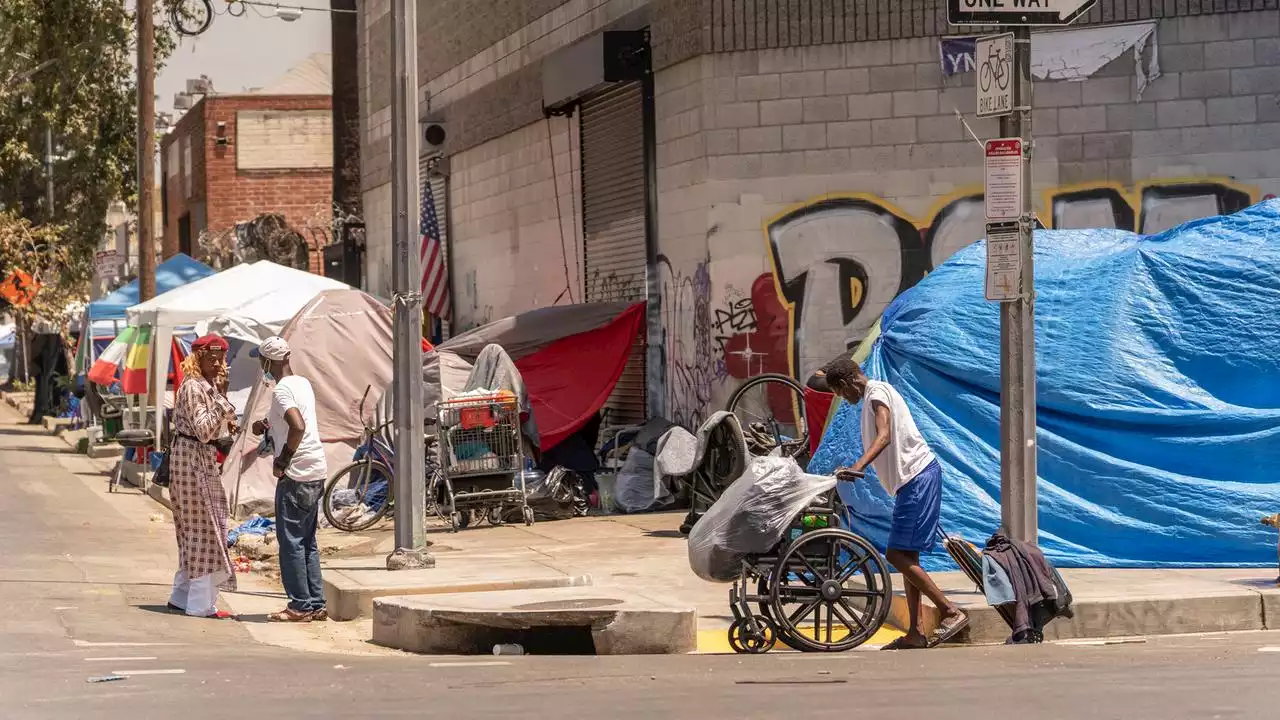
[[717, 640]]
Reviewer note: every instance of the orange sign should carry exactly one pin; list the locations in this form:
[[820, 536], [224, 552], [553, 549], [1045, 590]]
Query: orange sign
[[19, 288]]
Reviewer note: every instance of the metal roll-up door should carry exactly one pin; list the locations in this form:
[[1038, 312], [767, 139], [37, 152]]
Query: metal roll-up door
[[615, 250]]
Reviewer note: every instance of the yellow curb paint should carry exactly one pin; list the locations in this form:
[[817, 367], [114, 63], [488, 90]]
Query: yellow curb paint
[[717, 641]]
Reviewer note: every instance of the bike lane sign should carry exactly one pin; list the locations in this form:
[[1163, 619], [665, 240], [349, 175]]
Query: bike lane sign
[[994, 57]]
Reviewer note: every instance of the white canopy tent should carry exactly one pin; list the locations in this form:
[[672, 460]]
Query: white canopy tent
[[225, 293]]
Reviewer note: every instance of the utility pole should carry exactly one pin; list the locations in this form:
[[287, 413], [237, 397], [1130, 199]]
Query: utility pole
[[410, 470], [146, 150], [1018, 503]]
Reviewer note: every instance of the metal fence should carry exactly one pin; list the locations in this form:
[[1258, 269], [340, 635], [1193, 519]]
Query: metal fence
[[757, 24]]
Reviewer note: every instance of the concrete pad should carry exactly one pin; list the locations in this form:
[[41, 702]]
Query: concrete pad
[[618, 622], [105, 450], [351, 585], [1113, 603], [56, 424]]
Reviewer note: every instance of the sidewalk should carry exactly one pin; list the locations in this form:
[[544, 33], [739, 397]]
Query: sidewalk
[[645, 555]]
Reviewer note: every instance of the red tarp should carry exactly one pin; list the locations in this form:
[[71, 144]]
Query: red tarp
[[569, 380], [817, 408]]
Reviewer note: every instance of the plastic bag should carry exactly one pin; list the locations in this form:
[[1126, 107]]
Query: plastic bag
[[636, 489], [752, 516]]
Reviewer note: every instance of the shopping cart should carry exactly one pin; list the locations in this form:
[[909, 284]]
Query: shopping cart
[[482, 457]]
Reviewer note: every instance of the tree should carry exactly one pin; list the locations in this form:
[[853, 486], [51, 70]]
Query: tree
[[66, 68]]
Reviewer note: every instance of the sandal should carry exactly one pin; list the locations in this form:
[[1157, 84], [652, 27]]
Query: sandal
[[901, 644], [291, 615], [949, 629], [320, 615]]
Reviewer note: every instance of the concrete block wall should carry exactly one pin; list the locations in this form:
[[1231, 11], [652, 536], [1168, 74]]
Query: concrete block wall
[[819, 155], [516, 214]]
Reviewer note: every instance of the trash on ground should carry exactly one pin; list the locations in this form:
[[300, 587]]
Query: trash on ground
[[508, 649], [105, 678], [255, 525]]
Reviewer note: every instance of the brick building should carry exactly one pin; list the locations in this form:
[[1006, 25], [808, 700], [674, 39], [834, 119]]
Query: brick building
[[232, 159], [785, 169]]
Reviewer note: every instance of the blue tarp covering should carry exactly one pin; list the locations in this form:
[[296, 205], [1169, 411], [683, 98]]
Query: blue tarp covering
[[1159, 394], [174, 272]]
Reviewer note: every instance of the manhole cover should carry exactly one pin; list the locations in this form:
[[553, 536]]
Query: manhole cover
[[583, 604]]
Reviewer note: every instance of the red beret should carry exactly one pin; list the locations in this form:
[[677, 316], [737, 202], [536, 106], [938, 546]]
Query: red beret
[[217, 342]]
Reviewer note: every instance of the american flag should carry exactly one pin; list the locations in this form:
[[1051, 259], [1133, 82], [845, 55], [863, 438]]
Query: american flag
[[435, 274]]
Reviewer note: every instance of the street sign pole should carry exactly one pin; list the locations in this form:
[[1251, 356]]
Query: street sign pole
[[1018, 503], [406, 305]]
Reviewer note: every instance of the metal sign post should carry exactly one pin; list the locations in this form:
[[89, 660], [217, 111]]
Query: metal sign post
[[1004, 91]]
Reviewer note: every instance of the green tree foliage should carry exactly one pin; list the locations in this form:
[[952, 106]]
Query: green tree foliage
[[67, 65]]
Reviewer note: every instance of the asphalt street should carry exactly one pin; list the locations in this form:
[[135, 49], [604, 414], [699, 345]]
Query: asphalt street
[[82, 593]]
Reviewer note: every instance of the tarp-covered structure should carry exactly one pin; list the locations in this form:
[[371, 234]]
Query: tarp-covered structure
[[570, 357], [341, 342], [172, 273], [220, 294], [1159, 394]]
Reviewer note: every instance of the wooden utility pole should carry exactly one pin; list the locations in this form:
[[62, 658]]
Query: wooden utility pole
[[146, 150]]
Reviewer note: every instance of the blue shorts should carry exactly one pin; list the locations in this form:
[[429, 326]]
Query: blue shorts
[[916, 510]]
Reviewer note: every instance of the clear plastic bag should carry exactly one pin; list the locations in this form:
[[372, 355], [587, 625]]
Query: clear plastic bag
[[752, 516], [634, 490]]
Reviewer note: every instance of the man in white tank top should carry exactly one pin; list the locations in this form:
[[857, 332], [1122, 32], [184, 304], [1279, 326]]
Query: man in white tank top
[[894, 448]]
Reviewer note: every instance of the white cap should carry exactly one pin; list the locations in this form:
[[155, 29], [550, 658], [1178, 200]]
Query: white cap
[[274, 348]]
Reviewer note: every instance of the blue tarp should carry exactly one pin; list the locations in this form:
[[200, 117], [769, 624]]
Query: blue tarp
[[1159, 394], [174, 272]]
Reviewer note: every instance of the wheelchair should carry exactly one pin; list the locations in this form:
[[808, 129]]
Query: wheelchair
[[821, 588]]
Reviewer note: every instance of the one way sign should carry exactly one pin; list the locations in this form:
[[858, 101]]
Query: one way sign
[[1016, 12]]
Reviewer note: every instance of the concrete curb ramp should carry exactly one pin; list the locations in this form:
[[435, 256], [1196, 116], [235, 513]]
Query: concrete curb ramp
[[350, 592], [582, 620], [1125, 603]]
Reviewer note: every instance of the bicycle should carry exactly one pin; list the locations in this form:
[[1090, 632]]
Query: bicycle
[[371, 481], [771, 410]]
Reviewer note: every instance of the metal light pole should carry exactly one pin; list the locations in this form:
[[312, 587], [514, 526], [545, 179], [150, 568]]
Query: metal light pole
[[1018, 504], [146, 151], [410, 468], [48, 169]]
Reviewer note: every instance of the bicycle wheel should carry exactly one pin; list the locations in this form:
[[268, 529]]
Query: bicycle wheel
[[191, 17], [985, 75], [770, 409], [370, 481]]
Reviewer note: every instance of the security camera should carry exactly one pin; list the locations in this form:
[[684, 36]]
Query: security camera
[[288, 14]]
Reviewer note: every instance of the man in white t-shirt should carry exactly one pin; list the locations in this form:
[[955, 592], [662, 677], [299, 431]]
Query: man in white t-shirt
[[909, 472], [301, 471]]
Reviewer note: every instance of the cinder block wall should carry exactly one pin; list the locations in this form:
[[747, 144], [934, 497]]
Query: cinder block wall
[[755, 145], [517, 227]]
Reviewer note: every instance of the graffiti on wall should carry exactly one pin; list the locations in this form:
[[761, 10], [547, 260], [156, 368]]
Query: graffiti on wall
[[692, 367], [838, 261]]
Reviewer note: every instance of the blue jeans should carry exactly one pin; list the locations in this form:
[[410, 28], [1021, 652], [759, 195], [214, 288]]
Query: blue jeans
[[297, 514]]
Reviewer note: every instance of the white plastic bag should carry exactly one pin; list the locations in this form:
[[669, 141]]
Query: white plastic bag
[[752, 516]]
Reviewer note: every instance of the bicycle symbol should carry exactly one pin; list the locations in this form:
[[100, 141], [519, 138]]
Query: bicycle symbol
[[995, 68]]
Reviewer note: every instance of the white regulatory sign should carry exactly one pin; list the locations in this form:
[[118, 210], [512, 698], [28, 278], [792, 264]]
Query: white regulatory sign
[[994, 58], [1004, 262], [107, 263], [1003, 179]]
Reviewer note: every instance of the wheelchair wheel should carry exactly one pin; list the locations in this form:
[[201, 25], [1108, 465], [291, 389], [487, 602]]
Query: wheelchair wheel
[[743, 640], [770, 408], [829, 592]]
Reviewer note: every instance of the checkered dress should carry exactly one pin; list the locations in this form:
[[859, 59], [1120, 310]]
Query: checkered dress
[[199, 503]]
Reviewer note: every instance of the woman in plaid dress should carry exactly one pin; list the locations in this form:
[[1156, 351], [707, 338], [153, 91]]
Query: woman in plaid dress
[[201, 415]]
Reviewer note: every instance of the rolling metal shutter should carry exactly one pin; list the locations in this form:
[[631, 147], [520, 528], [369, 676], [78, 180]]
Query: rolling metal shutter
[[615, 255]]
